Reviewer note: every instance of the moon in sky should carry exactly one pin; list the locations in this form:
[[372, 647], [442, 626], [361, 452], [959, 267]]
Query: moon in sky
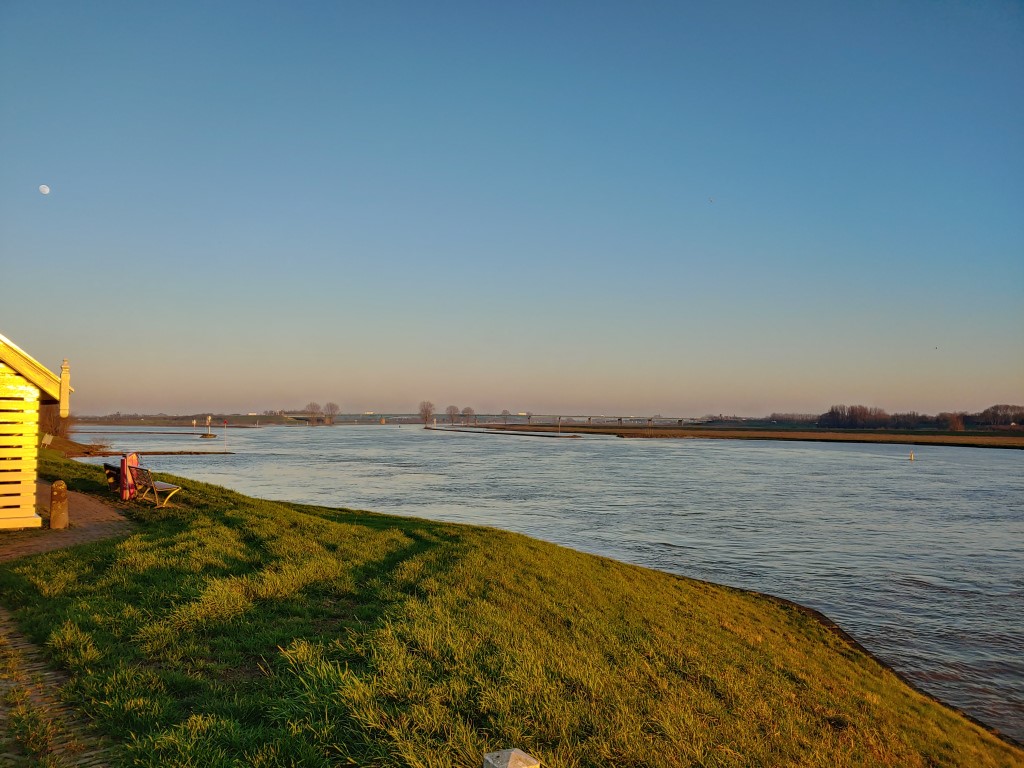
[[44, 189]]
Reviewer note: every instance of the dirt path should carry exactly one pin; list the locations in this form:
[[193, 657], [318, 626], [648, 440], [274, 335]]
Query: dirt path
[[36, 727]]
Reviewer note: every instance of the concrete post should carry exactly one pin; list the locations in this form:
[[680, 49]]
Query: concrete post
[[510, 758], [59, 505]]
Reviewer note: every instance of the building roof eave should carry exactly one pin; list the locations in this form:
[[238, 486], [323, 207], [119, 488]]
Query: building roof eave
[[35, 372]]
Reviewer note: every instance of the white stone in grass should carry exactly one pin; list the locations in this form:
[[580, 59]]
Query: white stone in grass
[[510, 758]]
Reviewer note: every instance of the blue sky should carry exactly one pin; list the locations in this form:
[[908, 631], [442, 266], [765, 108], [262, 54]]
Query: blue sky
[[666, 208]]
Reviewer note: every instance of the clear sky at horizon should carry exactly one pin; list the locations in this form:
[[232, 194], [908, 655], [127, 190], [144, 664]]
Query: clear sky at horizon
[[671, 208]]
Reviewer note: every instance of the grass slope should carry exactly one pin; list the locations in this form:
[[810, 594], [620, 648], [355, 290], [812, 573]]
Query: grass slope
[[231, 631]]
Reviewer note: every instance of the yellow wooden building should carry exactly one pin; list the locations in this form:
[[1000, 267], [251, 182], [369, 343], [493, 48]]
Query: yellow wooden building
[[24, 386]]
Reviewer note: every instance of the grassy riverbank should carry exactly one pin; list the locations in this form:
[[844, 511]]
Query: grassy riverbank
[[234, 631]]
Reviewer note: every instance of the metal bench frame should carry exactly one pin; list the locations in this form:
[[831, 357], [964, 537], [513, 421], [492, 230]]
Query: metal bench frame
[[144, 481]]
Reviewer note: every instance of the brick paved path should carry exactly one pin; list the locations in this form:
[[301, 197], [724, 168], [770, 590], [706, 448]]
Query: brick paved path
[[29, 687], [91, 520], [30, 691]]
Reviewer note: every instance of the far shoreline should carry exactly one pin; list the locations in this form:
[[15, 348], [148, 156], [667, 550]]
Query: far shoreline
[[1015, 441]]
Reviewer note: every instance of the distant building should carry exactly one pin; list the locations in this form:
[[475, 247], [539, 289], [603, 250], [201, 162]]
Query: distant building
[[24, 386]]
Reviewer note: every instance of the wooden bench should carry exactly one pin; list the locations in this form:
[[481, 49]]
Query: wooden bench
[[144, 482]]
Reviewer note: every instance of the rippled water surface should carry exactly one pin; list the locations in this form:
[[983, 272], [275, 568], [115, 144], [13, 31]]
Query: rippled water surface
[[923, 562]]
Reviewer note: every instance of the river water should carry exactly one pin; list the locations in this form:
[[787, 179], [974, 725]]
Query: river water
[[922, 562]]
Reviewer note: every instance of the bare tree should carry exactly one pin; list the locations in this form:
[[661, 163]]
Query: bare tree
[[467, 414], [452, 411], [313, 410], [505, 414], [1001, 415], [331, 410], [51, 422], [426, 411], [854, 417], [954, 422]]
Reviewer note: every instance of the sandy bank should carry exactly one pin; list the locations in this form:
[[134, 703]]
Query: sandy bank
[[1014, 440]]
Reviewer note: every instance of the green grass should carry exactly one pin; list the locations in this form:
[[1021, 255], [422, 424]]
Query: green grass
[[231, 631]]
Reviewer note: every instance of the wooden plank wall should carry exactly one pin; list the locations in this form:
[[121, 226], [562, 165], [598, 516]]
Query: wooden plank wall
[[19, 440]]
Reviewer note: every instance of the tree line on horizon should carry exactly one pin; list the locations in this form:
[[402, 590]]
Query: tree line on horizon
[[327, 412], [427, 408], [836, 417], [865, 417]]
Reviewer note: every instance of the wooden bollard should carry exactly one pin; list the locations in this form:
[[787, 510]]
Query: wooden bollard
[[59, 505], [510, 758]]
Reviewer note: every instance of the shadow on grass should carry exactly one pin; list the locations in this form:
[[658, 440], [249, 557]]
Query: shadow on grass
[[231, 630], [184, 613]]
